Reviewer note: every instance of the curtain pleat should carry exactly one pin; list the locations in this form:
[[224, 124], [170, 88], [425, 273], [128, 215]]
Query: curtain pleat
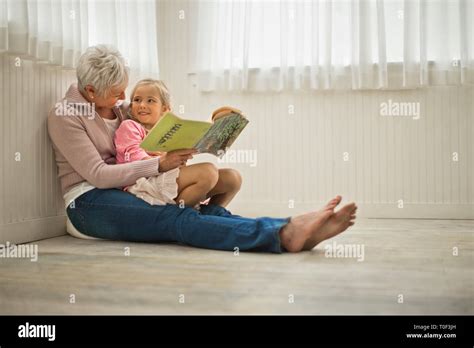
[[57, 32]]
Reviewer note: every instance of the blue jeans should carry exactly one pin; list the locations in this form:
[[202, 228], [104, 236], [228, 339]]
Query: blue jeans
[[117, 215]]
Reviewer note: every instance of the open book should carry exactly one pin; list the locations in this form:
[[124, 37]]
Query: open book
[[174, 133]]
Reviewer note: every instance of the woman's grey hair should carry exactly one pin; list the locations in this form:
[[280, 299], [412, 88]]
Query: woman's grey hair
[[101, 67]]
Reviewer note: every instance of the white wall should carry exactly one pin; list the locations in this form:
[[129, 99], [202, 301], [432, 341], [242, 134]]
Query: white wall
[[31, 205], [300, 156]]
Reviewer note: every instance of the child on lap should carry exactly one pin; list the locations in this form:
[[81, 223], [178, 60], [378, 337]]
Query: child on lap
[[176, 182]]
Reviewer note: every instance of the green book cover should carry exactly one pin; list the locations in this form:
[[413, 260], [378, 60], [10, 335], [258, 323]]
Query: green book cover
[[175, 133]]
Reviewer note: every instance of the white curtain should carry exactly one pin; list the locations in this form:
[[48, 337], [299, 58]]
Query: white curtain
[[348, 44], [57, 31]]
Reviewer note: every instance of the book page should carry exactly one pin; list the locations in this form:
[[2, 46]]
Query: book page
[[222, 134]]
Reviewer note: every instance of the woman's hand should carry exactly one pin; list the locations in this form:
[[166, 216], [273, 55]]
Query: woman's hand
[[175, 159], [155, 153], [218, 113]]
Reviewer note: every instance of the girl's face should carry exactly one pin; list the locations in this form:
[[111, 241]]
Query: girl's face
[[147, 107]]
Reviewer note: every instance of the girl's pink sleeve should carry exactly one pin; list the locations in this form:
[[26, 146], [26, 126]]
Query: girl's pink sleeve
[[127, 142]]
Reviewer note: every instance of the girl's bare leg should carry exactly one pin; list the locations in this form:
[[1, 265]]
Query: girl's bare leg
[[227, 186], [194, 182]]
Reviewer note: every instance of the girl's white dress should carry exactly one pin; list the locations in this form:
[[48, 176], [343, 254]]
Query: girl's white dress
[[157, 190]]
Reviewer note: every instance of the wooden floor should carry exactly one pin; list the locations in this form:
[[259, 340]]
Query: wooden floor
[[412, 258]]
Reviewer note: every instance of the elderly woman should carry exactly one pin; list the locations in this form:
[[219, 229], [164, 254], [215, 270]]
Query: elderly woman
[[82, 127]]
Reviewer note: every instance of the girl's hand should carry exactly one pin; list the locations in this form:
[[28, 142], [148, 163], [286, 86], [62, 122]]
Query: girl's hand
[[175, 159]]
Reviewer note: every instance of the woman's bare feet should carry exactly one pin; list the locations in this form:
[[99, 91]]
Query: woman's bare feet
[[303, 228], [335, 224]]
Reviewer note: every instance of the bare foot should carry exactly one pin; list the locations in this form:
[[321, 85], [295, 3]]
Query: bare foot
[[337, 223], [302, 228], [333, 202]]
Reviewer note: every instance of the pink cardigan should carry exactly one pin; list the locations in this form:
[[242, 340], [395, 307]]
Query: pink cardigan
[[84, 148]]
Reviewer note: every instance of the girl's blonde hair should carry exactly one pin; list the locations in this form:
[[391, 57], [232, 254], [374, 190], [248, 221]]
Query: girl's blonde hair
[[160, 87]]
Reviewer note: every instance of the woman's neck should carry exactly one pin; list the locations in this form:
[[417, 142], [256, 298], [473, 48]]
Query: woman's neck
[[106, 113]]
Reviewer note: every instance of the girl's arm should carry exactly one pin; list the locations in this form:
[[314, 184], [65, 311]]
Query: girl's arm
[[127, 142]]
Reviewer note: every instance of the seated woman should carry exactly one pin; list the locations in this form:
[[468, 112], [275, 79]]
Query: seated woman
[[82, 135]]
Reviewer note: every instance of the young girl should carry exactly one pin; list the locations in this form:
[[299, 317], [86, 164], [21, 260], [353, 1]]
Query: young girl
[[176, 183]]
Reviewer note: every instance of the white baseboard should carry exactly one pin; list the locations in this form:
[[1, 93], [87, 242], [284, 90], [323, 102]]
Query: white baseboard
[[365, 210], [31, 230]]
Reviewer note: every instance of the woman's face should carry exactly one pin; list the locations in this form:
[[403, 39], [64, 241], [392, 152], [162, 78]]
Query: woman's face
[[147, 107], [111, 97]]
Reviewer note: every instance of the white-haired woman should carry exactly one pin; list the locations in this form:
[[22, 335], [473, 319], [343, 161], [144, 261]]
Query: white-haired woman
[[82, 131]]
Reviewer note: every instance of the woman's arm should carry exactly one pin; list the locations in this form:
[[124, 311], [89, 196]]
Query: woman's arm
[[71, 139]]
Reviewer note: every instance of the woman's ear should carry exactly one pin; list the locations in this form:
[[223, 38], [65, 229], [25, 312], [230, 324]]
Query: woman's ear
[[90, 91]]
